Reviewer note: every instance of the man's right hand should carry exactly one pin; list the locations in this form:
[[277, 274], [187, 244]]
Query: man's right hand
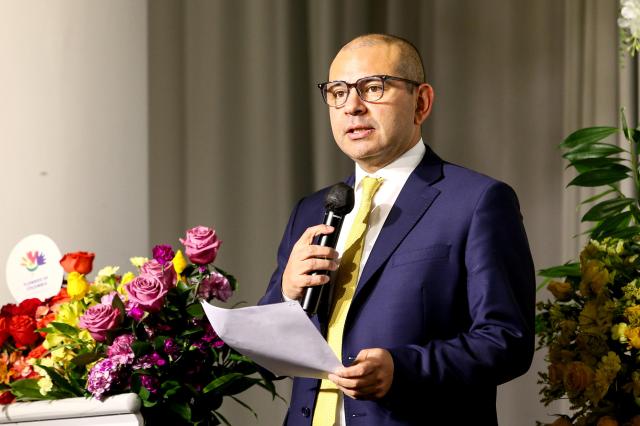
[[306, 258]]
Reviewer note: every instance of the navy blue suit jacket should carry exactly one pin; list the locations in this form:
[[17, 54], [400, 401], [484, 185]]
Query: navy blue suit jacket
[[448, 290]]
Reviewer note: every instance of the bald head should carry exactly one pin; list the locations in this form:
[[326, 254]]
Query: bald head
[[409, 65]]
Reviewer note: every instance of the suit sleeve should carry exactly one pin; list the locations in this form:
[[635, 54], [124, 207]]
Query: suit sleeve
[[274, 290], [500, 284]]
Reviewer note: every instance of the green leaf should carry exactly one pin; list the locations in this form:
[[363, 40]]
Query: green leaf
[[195, 310], [587, 136], [593, 163], [239, 401], [63, 328], [182, 409], [600, 177], [599, 150], [611, 224], [117, 303], [597, 196], [221, 381], [627, 232], [170, 388], [606, 208], [60, 382], [141, 348], [566, 270], [27, 389], [86, 358]]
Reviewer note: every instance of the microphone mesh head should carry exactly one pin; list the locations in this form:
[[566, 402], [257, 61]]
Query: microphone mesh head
[[339, 199]]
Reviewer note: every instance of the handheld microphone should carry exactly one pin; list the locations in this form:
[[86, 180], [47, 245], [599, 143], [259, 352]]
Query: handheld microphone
[[337, 203]]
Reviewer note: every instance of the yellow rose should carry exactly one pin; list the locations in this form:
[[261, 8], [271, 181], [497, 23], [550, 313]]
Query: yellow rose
[[77, 285], [179, 262], [577, 377], [560, 290], [607, 421]]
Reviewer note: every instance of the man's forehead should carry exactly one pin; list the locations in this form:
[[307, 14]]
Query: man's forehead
[[360, 60]]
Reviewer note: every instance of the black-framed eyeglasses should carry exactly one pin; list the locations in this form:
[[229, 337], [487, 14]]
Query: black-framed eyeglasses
[[369, 89]]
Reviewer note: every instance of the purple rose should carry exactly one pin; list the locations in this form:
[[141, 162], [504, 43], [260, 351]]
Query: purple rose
[[147, 291], [99, 319], [201, 245], [165, 273], [215, 285], [120, 350], [163, 253]]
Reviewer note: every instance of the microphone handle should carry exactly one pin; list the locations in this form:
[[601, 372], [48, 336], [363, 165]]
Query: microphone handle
[[314, 295]]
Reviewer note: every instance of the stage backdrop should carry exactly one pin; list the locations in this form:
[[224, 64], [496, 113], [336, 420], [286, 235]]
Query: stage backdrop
[[122, 123]]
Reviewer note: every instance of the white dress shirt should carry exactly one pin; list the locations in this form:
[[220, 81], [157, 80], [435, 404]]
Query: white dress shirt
[[394, 177]]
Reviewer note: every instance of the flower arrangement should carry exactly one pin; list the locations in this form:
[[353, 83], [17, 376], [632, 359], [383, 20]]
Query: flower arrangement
[[591, 328], [144, 333], [592, 332]]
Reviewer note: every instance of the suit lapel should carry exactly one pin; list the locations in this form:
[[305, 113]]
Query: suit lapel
[[412, 202]]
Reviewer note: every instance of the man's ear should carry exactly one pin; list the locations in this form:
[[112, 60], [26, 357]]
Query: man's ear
[[423, 104]]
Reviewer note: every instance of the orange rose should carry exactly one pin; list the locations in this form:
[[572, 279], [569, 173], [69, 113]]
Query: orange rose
[[80, 262], [577, 377], [562, 421], [22, 329], [607, 421], [560, 290], [556, 373], [635, 421]]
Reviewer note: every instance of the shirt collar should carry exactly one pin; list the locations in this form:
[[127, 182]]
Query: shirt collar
[[399, 169]]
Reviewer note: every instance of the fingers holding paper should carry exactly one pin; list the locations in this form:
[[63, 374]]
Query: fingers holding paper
[[306, 258], [369, 377]]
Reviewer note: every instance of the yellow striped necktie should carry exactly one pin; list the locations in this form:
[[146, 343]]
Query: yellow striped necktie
[[344, 289]]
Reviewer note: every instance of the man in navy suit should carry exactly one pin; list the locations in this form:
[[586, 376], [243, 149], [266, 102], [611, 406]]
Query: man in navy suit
[[443, 309]]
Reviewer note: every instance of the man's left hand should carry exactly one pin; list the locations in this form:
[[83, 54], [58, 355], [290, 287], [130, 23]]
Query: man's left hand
[[369, 377]]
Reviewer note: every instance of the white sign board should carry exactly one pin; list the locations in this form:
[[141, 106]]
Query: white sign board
[[33, 268]]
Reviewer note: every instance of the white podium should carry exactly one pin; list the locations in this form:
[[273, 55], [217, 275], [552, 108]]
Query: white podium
[[118, 410]]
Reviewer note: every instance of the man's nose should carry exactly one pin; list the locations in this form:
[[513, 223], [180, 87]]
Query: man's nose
[[354, 105]]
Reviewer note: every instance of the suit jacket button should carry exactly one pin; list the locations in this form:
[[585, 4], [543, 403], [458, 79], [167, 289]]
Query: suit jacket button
[[306, 411]]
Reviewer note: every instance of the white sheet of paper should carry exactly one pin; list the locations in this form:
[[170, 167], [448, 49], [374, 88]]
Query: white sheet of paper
[[279, 337]]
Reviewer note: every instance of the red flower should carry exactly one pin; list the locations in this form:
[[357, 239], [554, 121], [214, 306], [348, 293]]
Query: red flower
[[9, 310], [80, 262], [38, 352], [44, 321], [28, 307], [4, 330], [6, 397], [60, 298], [22, 329]]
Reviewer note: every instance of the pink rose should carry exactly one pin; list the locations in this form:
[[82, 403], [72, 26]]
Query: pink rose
[[147, 292], [215, 285], [99, 319], [201, 245], [165, 273]]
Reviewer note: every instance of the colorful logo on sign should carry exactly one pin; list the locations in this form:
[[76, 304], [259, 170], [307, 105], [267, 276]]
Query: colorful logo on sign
[[32, 260]]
